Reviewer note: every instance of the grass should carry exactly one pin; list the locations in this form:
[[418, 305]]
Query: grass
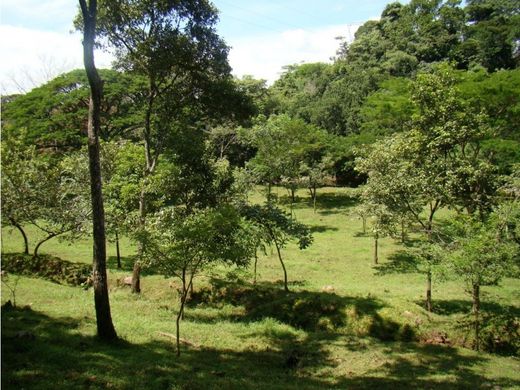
[[257, 338]]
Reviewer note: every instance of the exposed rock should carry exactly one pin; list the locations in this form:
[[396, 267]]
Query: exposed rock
[[327, 289]]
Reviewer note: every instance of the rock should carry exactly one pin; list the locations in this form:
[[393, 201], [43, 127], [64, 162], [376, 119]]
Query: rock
[[327, 289]]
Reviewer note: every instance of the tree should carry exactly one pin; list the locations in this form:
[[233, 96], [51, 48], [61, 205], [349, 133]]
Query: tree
[[175, 48], [180, 244], [480, 254], [276, 228], [290, 152], [54, 115], [40, 190], [105, 327], [436, 163], [20, 166]]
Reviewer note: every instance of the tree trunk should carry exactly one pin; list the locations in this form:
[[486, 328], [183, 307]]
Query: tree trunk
[[105, 327], [476, 313], [285, 282], [180, 314], [37, 247], [314, 195], [403, 232], [136, 279], [25, 239], [429, 291], [118, 252], [376, 248], [136, 274], [364, 225], [256, 262]]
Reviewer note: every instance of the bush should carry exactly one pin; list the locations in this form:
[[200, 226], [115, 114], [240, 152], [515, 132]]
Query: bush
[[501, 334]]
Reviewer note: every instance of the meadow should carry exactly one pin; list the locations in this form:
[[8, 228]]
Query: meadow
[[346, 323]]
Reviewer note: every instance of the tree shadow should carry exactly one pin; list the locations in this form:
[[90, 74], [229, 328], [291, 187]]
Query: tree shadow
[[462, 306], [335, 201], [43, 352], [322, 228], [307, 310], [127, 263], [415, 363], [400, 262]]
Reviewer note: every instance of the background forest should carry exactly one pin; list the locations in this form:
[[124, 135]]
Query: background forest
[[356, 224]]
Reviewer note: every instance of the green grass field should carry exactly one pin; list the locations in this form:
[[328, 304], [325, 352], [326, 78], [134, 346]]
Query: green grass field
[[240, 337]]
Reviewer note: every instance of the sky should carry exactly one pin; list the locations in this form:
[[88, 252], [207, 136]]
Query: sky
[[38, 43]]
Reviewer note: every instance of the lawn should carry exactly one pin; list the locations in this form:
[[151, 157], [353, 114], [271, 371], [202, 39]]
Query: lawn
[[368, 330]]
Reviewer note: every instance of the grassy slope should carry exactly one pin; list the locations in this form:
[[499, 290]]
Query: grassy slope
[[233, 350]]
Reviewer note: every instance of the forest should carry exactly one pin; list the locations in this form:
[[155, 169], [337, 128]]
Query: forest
[[354, 225]]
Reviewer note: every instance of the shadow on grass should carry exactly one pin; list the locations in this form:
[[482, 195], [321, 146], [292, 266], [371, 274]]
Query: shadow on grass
[[307, 310], [44, 352], [127, 263], [461, 306], [324, 202], [400, 262], [322, 228]]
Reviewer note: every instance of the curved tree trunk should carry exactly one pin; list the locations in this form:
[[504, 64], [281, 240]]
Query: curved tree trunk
[[22, 232], [105, 327], [37, 247], [285, 280]]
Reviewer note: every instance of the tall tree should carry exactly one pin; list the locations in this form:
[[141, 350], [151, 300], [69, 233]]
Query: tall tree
[[105, 327], [174, 46]]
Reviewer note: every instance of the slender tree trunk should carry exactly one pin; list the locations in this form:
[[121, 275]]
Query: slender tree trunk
[[256, 262], [476, 313], [118, 252], [376, 248], [364, 225], [285, 282], [269, 191], [105, 327], [180, 314], [429, 291], [314, 195], [37, 247], [403, 233], [136, 273], [184, 295], [22, 232]]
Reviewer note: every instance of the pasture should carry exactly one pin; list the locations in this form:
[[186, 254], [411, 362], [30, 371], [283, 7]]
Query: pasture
[[346, 323]]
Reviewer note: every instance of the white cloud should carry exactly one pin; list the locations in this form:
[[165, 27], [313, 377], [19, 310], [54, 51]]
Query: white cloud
[[49, 14], [264, 56], [31, 57]]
